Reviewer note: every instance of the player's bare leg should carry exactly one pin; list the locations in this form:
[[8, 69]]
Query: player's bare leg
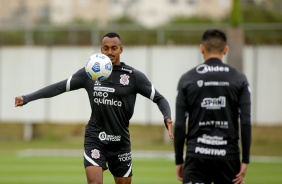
[[123, 180], [94, 175]]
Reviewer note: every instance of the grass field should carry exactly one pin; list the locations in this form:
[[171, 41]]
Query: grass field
[[16, 168]]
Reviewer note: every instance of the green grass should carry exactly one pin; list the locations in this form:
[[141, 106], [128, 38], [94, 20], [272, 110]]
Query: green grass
[[259, 173], [15, 169], [266, 140], [40, 170]]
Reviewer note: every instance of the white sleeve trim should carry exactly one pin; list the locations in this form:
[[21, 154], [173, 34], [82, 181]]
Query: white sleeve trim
[[68, 84], [152, 93]]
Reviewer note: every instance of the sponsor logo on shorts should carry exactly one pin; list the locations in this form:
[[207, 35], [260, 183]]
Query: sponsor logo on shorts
[[113, 138], [95, 153], [125, 157]]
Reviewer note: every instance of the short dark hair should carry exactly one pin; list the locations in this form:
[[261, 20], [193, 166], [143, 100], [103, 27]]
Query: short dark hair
[[112, 35], [214, 40]]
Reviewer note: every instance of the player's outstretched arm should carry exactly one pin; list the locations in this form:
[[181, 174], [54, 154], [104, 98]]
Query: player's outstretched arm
[[19, 101], [169, 128]]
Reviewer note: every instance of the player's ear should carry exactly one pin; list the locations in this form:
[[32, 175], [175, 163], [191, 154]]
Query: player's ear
[[202, 48], [121, 49], [225, 50]]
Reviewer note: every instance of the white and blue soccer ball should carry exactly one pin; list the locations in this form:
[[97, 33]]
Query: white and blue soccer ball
[[98, 67]]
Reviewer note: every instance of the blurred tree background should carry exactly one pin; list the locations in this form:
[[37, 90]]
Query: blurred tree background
[[261, 23]]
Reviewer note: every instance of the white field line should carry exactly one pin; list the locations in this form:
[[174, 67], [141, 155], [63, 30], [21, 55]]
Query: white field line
[[78, 153], [135, 154]]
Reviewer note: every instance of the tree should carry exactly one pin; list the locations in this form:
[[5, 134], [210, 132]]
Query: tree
[[235, 38]]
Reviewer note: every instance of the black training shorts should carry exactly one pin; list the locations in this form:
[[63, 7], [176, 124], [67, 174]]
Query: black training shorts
[[119, 160], [206, 171]]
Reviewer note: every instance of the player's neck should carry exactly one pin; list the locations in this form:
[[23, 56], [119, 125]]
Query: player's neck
[[209, 56], [116, 63]]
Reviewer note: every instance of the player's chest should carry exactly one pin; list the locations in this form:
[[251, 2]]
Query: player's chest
[[118, 84]]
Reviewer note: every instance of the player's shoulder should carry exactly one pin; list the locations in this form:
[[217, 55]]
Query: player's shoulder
[[186, 77], [80, 74], [190, 73], [135, 74], [80, 71], [130, 69], [235, 73]]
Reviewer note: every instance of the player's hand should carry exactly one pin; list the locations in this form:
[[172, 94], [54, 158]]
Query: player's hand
[[19, 101], [179, 171], [169, 128], [241, 175]]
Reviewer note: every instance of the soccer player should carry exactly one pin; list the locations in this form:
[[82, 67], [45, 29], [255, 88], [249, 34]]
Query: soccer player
[[213, 96], [107, 139]]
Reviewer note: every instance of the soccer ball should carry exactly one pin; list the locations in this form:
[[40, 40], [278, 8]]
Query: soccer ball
[[98, 67]]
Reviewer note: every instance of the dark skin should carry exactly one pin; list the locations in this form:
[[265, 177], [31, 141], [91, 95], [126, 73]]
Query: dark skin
[[112, 48]]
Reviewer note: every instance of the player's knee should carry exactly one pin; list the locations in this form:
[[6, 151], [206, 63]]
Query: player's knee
[[94, 181], [94, 175], [122, 180]]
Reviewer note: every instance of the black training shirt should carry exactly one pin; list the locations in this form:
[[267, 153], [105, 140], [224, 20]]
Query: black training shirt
[[112, 102], [213, 97]]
